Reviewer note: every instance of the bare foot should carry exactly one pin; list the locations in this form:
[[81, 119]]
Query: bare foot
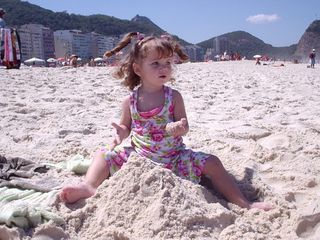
[[73, 193], [261, 205]]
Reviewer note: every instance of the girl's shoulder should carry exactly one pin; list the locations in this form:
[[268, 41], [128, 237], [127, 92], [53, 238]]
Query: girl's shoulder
[[174, 91], [176, 95]]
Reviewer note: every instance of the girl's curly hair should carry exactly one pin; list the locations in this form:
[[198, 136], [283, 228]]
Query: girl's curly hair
[[165, 46]]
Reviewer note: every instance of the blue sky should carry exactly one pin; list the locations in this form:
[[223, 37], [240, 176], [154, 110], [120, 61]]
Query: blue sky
[[277, 22]]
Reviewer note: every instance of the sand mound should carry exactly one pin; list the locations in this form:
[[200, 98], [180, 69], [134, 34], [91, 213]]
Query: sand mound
[[146, 201]]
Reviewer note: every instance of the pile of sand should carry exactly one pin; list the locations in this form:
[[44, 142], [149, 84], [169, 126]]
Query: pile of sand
[[146, 201]]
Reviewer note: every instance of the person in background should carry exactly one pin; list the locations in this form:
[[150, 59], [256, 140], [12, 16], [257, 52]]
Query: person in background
[[312, 57], [91, 62], [2, 22], [74, 60]]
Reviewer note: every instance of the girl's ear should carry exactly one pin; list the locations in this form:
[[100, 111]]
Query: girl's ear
[[136, 69]]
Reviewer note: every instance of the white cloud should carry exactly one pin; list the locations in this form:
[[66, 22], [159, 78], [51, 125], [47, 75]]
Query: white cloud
[[263, 18]]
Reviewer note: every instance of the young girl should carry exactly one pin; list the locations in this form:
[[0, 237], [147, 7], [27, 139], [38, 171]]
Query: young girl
[[155, 116]]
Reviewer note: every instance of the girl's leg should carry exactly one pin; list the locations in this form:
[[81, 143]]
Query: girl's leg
[[223, 182], [96, 174]]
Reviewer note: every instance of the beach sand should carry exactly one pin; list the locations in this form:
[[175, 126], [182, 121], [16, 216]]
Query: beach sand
[[263, 122]]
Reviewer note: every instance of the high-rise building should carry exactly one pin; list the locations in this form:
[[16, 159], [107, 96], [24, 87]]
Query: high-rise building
[[68, 42], [100, 43], [194, 52], [36, 41]]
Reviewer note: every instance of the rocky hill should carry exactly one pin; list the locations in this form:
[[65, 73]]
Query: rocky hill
[[309, 40], [20, 12], [246, 44]]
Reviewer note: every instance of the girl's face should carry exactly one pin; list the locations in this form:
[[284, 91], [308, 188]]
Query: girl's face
[[154, 70]]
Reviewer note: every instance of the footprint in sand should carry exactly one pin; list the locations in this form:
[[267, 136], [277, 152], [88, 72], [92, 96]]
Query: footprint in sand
[[24, 110], [309, 227], [50, 233], [8, 233], [248, 132], [275, 141]]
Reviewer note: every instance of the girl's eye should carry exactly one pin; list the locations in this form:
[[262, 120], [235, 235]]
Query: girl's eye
[[155, 64]]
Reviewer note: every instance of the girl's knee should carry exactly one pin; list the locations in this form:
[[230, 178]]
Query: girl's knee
[[212, 163], [214, 160], [99, 155]]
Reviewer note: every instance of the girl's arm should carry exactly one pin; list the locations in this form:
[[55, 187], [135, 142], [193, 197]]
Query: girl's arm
[[123, 129], [180, 125]]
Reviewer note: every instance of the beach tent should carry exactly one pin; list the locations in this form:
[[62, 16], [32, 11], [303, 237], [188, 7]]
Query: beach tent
[[51, 60], [98, 59], [35, 61]]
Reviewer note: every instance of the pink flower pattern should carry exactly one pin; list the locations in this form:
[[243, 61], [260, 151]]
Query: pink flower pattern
[[149, 139]]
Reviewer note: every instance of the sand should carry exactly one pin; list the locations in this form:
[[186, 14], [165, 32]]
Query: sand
[[263, 122]]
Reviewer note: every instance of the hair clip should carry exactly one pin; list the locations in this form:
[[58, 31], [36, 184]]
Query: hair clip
[[140, 36], [166, 37]]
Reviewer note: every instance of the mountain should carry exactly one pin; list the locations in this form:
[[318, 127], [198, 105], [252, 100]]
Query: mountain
[[309, 40], [147, 23], [246, 45], [155, 29], [21, 12]]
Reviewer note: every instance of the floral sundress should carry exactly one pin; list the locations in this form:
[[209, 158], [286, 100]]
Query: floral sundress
[[149, 139]]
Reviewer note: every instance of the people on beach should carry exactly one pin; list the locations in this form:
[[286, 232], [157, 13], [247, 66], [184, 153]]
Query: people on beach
[[74, 60], [2, 22], [312, 57], [154, 116], [91, 62]]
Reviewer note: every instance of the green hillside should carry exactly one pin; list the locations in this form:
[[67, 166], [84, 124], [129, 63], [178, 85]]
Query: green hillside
[[19, 13]]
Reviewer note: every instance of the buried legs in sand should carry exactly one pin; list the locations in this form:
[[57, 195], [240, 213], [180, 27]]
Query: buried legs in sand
[[96, 174], [99, 171], [222, 181]]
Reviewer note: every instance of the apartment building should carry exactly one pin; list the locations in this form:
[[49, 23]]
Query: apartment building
[[36, 41], [195, 53], [84, 45], [100, 43], [68, 42]]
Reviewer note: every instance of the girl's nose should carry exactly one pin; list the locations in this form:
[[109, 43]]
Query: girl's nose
[[164, 67]]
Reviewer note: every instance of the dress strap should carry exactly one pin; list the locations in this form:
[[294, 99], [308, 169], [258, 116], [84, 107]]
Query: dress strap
[[133, 100]]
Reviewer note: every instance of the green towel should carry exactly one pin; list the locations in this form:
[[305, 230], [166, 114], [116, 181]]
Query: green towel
[[26, 215], [77, 164], [27, 208]]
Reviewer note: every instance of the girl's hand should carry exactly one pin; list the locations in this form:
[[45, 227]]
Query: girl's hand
[[178, 128], [119, 136]]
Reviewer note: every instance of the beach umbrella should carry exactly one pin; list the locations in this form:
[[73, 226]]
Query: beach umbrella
[[35, 60], [257, 56], [61, 59], [51, 60], [98, 59]]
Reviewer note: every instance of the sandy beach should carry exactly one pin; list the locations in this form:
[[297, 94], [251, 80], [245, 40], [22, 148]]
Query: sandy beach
[[263, 122]]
